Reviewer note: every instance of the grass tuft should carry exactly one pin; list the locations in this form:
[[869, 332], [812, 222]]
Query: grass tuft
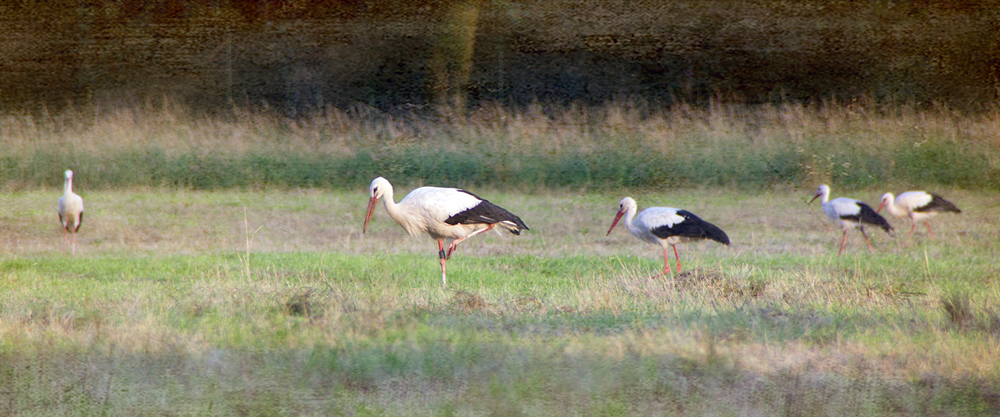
[[468, 302], [962, 315], [958, 309], [299, 304]]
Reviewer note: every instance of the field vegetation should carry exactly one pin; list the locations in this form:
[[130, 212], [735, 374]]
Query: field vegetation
[[222, 269], [619, 145]]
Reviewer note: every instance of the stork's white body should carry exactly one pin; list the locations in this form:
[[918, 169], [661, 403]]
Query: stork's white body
[[918, 206], [849, 214], [70, 210], [838, 208], [641, 225], [425, 209], [442, 213], [666, 226]]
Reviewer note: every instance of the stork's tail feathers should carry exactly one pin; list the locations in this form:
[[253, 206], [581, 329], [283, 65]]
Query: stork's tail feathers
[[488, 213], [869, 216], [713, 232], [938, 203], [513, 224], [692, 227]]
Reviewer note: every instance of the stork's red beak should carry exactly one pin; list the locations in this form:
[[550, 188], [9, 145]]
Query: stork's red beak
[[371, 209], [881, 206], [617, 217], [814, 198]]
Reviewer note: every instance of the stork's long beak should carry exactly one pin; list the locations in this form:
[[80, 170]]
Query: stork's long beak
[[371, 209], [814, 198], [617, 217], [881, 206]]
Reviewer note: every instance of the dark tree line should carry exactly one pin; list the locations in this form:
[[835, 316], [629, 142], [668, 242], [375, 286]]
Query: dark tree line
[[396, 54]]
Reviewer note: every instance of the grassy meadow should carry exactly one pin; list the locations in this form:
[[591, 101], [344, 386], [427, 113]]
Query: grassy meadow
[[255, 293]]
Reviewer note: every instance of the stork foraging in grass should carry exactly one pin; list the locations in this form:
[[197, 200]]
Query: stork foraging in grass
[[666, 227], [918, 206], [442, 213], [850, 214], [70, 210]]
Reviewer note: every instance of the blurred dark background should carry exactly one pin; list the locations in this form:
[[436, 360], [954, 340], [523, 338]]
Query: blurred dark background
[[404, 55]]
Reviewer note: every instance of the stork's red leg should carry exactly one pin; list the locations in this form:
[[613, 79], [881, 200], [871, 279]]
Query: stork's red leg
[[678, 257], [666, 263], [441, 254], [870, 248], [842, 241], [454, 243], [912, 226], [928, 224]]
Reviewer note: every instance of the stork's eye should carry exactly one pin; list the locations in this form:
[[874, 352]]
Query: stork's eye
[[375, 190]]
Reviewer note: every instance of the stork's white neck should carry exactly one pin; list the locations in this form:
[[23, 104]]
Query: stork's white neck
[[824, 195], [409, 223], [69, 185], [632, 227], [894, 209], [389, 202]]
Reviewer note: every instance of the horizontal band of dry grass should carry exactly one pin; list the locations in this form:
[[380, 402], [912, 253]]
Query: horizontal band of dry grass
[[623, 144]]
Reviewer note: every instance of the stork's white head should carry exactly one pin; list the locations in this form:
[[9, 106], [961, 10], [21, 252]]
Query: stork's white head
[[624, 206], [823, 190], [69, 174], [378, 188], [886, 200]]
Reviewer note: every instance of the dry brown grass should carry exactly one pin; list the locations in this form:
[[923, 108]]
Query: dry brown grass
[[336, 132]]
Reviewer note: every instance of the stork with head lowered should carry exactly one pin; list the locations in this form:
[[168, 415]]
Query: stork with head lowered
[[443, 214]]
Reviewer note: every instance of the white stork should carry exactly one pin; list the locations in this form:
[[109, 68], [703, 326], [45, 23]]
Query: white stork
[[666, 226], [70, 210], [850, 214], [918, 206], [442, 213]]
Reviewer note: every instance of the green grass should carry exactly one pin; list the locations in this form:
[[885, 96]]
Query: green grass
[[620, 145], [222, 269], [263, 303]]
